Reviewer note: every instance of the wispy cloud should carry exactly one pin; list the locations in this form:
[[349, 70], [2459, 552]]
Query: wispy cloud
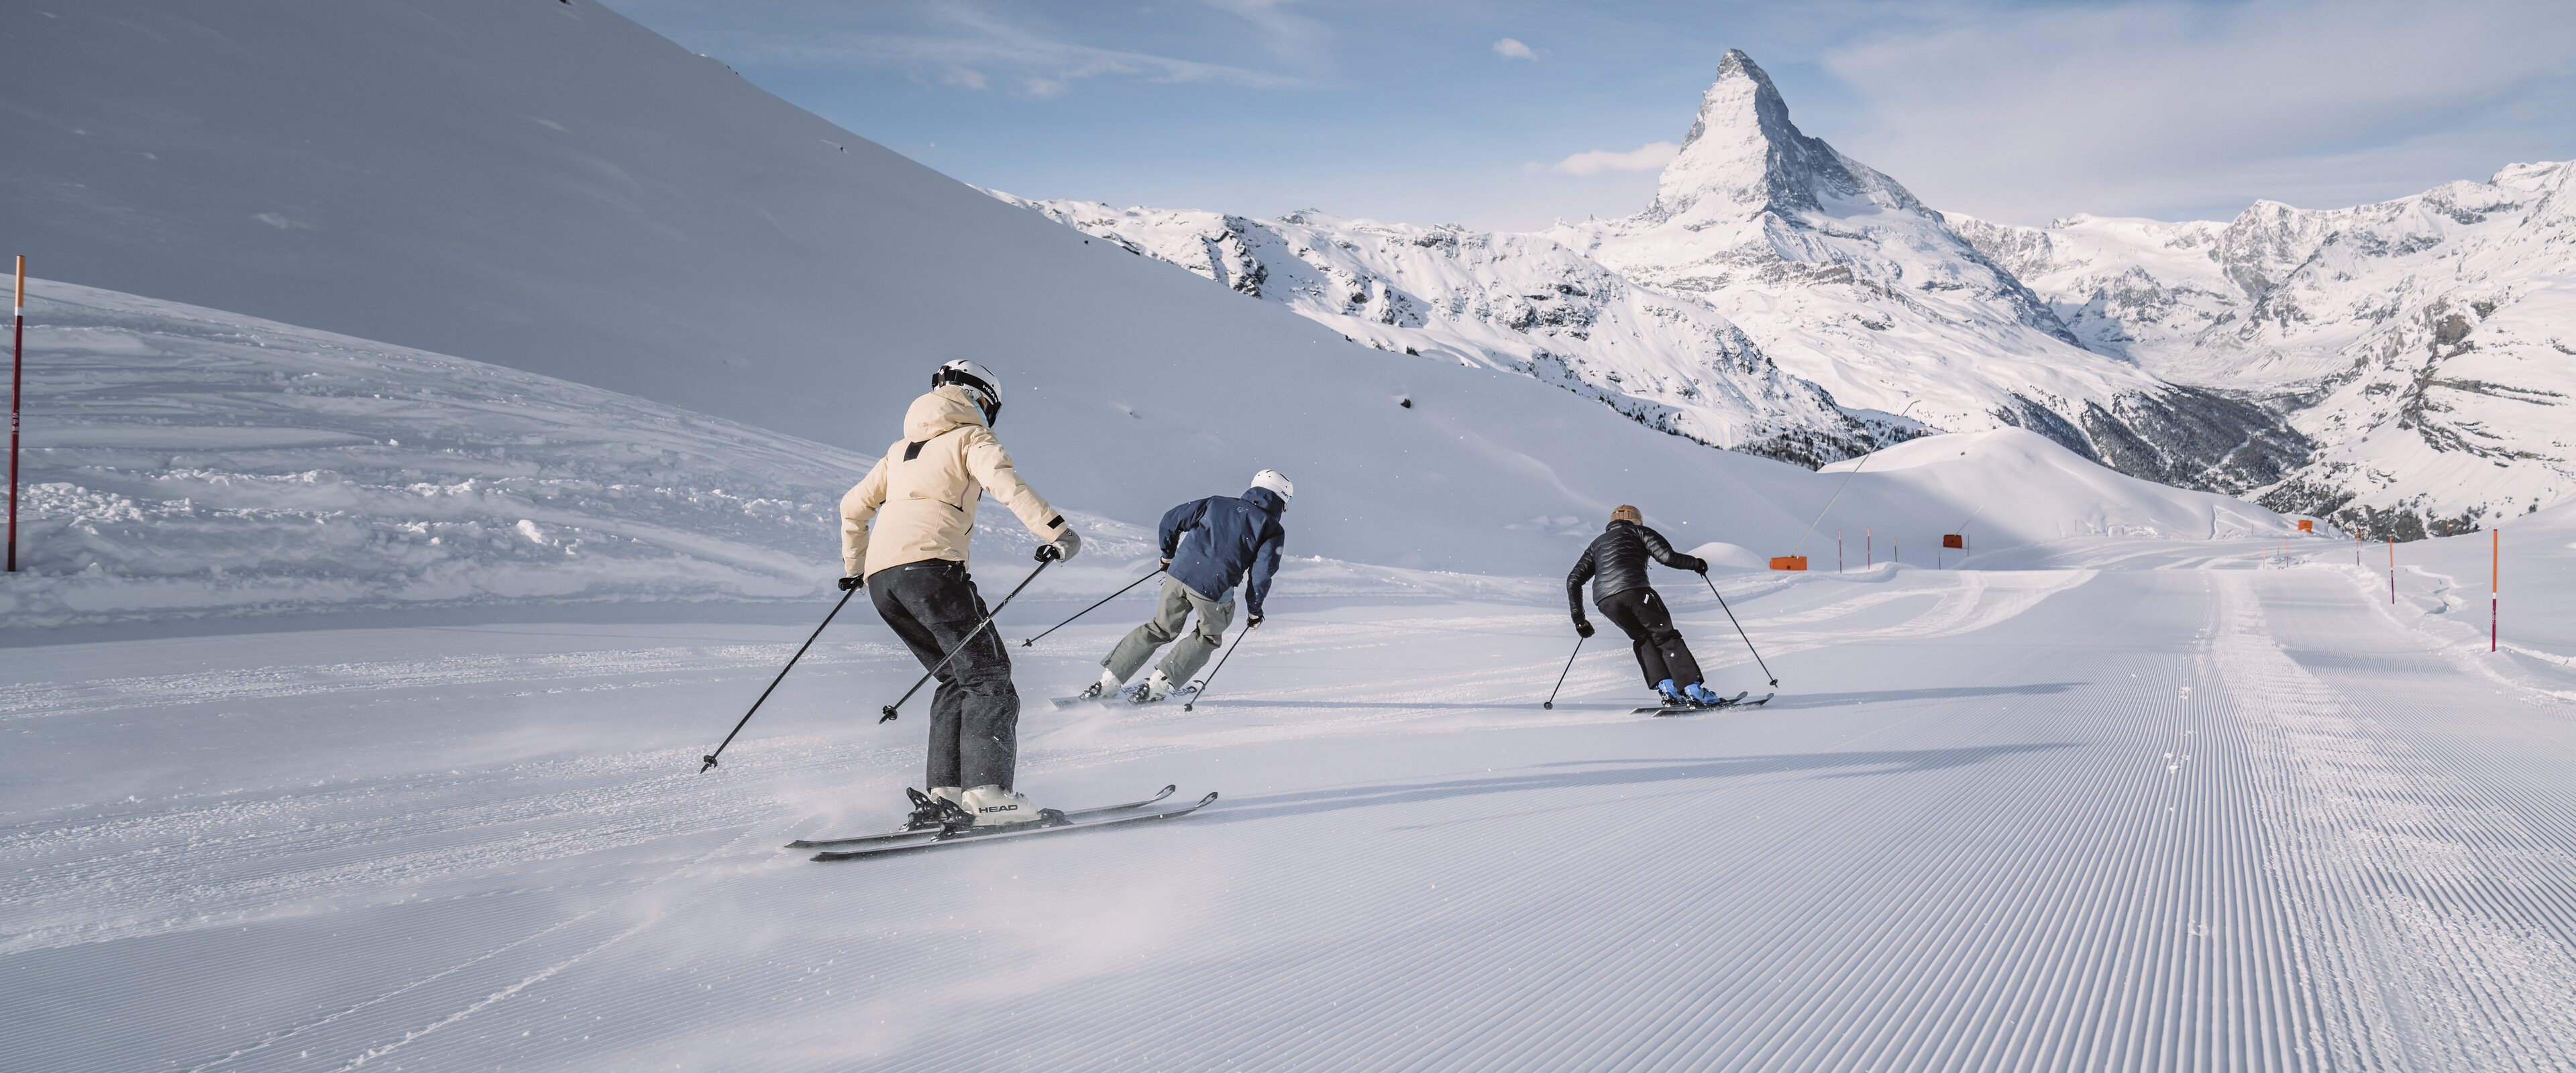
[[1511, 48], [1651, 156], [964, 43]]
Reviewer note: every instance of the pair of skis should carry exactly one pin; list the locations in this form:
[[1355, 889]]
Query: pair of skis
[[1736, 701], [1134, 694], [1051, 822]]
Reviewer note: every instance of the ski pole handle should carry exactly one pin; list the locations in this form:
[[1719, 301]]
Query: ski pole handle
[[1092, 608], [710, 758], [891, 709]]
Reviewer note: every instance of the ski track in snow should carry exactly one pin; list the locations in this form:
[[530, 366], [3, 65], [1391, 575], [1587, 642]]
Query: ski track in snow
[[2041, 820]]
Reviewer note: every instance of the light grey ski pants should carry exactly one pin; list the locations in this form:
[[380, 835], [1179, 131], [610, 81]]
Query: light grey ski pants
[[1174, 606]]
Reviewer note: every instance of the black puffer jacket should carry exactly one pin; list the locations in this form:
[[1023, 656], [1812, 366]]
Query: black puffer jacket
[[1616, 563]]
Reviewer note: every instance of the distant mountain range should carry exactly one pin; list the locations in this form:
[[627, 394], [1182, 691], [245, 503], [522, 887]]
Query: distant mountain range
[[2389, 367]]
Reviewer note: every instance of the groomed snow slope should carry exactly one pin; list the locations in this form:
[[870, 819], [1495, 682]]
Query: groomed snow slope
[[2227, 818]]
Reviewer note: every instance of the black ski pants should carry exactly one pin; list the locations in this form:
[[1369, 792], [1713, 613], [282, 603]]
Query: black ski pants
[[975, 716], [1649, 626]]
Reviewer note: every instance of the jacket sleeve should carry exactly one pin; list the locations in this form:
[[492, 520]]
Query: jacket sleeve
[[1574, 580], [991, 465], [1179, 520], [1265, 562], [859, 506], [1663, 552]]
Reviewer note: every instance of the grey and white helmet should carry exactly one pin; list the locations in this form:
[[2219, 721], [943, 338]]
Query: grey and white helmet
[[980, 384]]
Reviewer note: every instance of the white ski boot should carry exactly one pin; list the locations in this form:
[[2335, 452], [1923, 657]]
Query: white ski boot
[[994, 806], [1107, 686], [1155, 688]]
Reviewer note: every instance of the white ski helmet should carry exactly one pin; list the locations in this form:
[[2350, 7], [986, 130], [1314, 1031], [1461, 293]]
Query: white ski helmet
[[1275, 481], [980, 384]]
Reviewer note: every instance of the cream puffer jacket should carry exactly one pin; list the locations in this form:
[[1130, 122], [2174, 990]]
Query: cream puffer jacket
[[922, 495]]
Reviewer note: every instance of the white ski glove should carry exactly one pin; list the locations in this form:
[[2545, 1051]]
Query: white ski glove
[[1061, 548]]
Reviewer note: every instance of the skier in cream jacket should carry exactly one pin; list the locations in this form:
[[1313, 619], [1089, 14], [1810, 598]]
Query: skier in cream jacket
[[904, 532]]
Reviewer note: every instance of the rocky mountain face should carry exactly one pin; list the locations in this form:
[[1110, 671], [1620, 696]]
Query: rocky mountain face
[[2426, 345], [1778, 298]]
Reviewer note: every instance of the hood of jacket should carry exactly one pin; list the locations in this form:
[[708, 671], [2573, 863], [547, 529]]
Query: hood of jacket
[[941, 409], [1265, 499]]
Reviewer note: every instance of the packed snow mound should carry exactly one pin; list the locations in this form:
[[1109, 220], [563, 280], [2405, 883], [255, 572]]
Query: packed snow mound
[[1846, 280], [1515, 302], [2011, 487], [1724, 556], [2421, 343]]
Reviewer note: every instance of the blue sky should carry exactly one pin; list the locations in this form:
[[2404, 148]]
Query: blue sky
[[1482, 113]]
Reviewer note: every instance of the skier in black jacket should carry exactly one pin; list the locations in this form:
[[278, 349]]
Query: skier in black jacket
[[1615, 564]]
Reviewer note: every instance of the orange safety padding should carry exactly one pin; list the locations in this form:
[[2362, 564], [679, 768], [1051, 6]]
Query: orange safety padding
[[2307, 525], [1788, 562], [1954, 540]]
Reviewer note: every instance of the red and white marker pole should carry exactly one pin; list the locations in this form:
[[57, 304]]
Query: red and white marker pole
[[17, 363]]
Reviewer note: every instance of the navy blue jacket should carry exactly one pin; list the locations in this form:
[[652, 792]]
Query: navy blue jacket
[[1235, 536]]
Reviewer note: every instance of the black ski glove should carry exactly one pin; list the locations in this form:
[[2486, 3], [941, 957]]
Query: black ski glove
[[849, 583], [1254, 622], [1699, 566], [1583, 628]]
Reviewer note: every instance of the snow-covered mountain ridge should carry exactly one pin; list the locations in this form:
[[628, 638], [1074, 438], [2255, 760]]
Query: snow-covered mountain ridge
[[1860, 304], [2427, 345], [1522, 303]]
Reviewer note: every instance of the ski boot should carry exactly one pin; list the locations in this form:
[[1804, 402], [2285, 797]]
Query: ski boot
[[1155, 688], [1699, 695], [994, 806], [1108, 685], [941, 807], [1673, 695]]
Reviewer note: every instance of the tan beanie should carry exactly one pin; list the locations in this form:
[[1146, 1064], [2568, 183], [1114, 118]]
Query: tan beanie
[[1625, 513]]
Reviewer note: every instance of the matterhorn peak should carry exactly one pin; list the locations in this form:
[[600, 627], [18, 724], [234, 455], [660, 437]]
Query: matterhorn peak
[[1743, 156]]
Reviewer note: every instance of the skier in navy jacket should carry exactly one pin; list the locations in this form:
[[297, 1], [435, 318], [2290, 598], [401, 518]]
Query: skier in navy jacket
[[1209, 545]]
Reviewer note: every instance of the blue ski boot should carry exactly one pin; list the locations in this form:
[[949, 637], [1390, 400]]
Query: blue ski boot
[[1699, 694], [1673, 695]]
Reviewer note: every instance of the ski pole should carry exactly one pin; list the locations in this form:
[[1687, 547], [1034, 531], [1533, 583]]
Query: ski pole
[[1192, 704], [1092, 608], [710, 758], [1560, 675], [1739, 630], [961, 645]]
